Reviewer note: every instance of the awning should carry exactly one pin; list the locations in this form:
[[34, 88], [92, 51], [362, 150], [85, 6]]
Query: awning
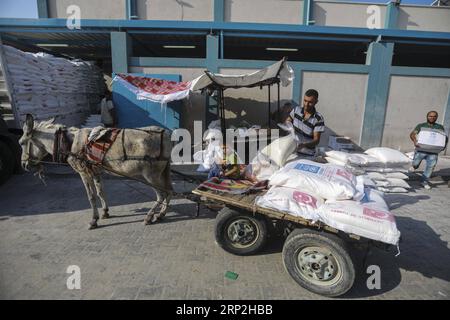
[[273, 74], [164, 91]]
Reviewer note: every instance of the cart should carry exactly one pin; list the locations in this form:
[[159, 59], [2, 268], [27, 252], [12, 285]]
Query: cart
[[318, 257]]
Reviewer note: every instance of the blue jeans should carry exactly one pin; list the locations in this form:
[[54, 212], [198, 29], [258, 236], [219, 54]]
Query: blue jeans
[[430, 163]]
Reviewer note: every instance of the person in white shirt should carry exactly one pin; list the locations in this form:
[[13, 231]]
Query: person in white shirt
[[107, 110]]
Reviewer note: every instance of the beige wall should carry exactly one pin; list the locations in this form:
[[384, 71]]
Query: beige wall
[[264, 11], [341, 102], [410, 98], [251, 104], [90, 9], [424, 19], [183, 10], [194, 107], [344, 14]]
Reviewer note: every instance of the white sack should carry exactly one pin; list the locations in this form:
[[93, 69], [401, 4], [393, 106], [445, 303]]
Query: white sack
[[396, 175], [394, 182], [292, 201], [363, 160], [335, 161], [389, 156], [262, 167], [326, 180], [392, 189], [338, 155], [280, 149], [364, 219]]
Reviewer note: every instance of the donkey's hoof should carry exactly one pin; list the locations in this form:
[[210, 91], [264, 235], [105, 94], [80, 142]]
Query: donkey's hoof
[[147, 222], [105, 215], [93, 225]]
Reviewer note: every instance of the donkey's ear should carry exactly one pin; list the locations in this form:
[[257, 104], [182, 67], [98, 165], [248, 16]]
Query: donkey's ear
[[29, 123]]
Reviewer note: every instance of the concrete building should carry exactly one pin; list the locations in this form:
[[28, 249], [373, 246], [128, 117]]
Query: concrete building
[[378, 67]]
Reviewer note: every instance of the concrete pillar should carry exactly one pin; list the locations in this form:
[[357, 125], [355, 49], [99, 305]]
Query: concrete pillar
[[212, 64], [392, 12], [379, 58], [219, 10], [121, 51], [308, 12], [42, 7]]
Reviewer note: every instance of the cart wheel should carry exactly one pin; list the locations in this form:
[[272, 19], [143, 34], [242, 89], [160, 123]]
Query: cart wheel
[[319, 262], [240, 233]]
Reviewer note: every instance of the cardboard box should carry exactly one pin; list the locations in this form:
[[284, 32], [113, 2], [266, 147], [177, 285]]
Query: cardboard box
[[340, 143], [431, 140]]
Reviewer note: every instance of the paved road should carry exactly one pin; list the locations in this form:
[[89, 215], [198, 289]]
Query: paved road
[[43, 230]]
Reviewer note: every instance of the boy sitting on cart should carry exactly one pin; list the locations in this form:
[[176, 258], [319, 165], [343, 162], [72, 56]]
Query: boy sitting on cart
[[226, 165]]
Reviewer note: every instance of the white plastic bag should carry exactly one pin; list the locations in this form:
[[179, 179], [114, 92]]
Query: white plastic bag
[[326, 180], [292, 201], [389, 156]]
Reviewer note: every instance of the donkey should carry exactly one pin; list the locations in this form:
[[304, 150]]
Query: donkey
[[39, 138]]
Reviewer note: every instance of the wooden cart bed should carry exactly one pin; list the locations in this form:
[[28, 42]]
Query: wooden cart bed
[[247, 202]]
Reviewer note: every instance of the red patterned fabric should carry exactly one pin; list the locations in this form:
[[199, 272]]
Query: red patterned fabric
[[156, 86], [96, 150]]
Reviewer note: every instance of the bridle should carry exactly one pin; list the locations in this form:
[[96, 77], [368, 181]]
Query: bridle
[[27, 150]]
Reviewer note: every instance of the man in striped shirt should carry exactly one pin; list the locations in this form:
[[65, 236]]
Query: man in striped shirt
[[308, 123]]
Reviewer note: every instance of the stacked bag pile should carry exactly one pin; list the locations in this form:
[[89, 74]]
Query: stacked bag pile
[[381, 168], [47, 86], [333, 195], [94, 120]]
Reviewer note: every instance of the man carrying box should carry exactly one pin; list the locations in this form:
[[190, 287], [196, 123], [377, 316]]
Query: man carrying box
[[429, 138]]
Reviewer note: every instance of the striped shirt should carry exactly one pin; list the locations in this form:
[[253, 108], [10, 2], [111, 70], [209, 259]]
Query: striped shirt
[[305, 128]]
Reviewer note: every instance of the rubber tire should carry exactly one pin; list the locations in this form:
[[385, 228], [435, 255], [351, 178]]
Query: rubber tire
[[7, 162], [223, 219], [336, 245]]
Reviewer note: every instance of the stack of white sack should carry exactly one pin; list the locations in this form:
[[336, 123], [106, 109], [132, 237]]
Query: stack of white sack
[[367, 217], [51, 87], [383, 168]]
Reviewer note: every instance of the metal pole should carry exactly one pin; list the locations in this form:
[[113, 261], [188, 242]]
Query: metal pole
[[222, 116], [268, 110], [278, 84]]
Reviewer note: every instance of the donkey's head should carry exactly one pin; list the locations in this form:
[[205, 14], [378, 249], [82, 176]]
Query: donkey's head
[[33, 150]]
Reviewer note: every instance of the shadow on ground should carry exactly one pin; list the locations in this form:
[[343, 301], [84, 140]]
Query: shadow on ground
[[26, 195], [422, 251]]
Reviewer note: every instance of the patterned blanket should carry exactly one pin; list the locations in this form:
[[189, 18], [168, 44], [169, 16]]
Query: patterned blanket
[[97, 148], [233, 186], [157, 90]]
